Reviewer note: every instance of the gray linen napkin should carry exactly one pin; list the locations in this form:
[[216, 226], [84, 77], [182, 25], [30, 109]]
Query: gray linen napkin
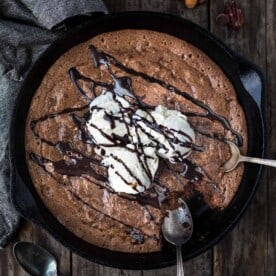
[[26, 30]]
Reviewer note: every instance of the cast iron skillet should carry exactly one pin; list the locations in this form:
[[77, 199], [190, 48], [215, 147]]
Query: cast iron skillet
[[210, 225]]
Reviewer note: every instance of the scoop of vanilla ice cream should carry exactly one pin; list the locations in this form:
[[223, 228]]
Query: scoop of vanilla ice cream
[[131, 167], [126, 171], [178, 133], [99, 124], [169, 130]]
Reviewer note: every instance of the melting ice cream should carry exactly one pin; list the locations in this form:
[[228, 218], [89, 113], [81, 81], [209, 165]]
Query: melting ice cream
[[131, 139]]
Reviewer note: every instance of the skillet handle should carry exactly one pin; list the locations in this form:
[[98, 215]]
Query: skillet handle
[[253, 82], [252, 79], [23, 200]]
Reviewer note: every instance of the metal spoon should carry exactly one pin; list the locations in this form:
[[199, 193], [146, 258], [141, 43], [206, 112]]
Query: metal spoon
[[177, 229], [35, 259], [236, 158]]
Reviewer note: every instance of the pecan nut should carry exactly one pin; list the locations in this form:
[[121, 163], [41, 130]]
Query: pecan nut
[[232, 16], [236, 17]]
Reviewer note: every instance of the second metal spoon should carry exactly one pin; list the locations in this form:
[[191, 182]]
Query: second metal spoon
[[236, 158], [177, 229], [35, 259]]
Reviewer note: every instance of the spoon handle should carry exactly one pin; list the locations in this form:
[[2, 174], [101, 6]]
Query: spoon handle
[[180, 270], [267, 162]]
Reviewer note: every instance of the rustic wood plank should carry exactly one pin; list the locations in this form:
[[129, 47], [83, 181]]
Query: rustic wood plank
[[270, 267], [249, 41], [244, 251], [32, 233], [177, 7], [83, 267], [199, 266]]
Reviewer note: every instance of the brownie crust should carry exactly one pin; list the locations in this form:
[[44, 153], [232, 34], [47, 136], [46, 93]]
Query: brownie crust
[[94, 213]]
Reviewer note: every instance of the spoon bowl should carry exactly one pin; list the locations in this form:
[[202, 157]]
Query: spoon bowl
[[34, 259], [177, 229]]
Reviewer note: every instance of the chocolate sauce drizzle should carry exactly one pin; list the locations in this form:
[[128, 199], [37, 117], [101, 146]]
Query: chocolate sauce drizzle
[[100, 57], [78, 164]]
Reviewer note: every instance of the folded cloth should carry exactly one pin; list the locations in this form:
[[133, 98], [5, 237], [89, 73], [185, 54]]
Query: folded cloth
[[27, 28]]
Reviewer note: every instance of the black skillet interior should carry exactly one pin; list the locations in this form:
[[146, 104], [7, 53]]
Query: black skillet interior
[[210, 225]]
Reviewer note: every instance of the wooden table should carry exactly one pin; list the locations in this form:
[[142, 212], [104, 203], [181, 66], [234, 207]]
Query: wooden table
[[250, 248]]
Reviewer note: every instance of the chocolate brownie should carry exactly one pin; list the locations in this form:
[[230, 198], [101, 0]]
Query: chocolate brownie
[[158, 69]]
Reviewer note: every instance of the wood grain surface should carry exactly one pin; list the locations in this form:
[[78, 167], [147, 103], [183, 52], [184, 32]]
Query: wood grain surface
[[244, 251], [250, 248]]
